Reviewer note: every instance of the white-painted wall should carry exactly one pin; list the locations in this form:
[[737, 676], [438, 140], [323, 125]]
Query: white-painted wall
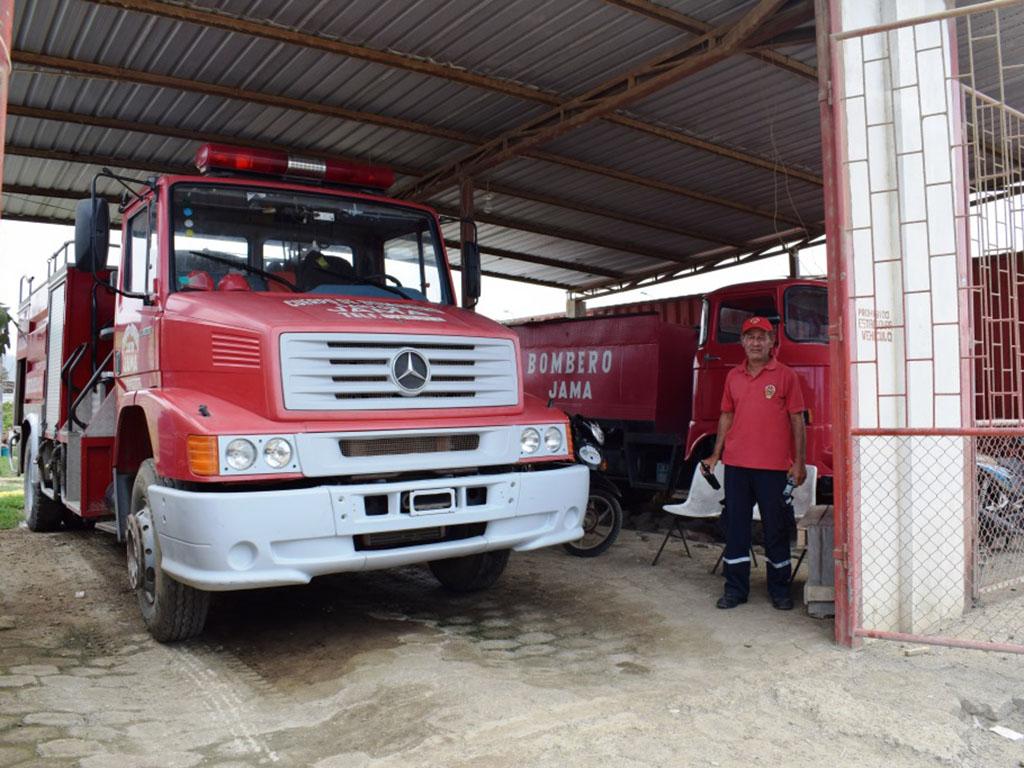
[[903, 198]]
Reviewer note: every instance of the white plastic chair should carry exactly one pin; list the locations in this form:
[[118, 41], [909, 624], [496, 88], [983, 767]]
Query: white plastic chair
[[702, 503], [705, 503]]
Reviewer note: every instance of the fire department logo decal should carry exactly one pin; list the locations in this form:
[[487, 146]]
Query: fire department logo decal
[[130, 350], [410, 371], [354, 309], [769, 392]]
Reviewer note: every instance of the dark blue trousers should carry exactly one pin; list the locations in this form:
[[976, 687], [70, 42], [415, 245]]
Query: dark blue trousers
[[743, 488]]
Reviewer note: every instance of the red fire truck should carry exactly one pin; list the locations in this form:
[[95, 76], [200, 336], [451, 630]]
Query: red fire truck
[[654, 383], [799, 310], [276, 383]]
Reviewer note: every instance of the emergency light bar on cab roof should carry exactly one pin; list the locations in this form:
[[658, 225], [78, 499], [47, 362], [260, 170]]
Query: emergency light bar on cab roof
[[211, 158]]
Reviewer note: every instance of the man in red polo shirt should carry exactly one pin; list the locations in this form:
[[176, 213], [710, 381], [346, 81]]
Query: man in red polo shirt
[[762, 431]]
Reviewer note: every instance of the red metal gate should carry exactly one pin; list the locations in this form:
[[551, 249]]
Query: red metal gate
[[924, 147]]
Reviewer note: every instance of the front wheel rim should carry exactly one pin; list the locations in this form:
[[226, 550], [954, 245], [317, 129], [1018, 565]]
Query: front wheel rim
[[141, 555], [598, 523]]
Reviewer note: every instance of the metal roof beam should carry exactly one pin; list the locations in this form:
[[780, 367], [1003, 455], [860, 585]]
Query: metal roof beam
[[664, 186], [802, 36], [702, 264], [718, 149], [60, 194], [617, 92], [35, 219], [528, 258], [700, 268], [561, 233], [202, 137], [101, 160], [217, 20], [611, 289], [90, 69], [188, 135], [107, 72], [698, 27], [522, 279], [606, 213]]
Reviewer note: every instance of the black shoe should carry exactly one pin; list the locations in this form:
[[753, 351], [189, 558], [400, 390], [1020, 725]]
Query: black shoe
[[782, 603], [730, 601]]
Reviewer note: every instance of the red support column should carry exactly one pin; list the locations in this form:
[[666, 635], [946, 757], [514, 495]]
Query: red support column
[[838, 333]]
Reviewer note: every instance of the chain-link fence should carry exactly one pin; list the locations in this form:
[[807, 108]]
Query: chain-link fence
[[941, 521]]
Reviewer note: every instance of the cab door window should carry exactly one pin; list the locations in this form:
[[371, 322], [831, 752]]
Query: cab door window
[[141, 258], [807, 314], [733, 311]]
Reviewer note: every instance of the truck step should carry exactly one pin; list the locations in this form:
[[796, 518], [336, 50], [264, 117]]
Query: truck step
[[107, 526]]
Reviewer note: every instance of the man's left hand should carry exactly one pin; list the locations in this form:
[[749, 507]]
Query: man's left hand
[[798, 473]]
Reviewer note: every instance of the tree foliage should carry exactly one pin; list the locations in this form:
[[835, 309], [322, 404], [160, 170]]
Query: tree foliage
[[5, 329]]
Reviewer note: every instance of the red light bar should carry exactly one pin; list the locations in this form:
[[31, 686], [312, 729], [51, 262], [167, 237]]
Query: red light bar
[[268, 162]]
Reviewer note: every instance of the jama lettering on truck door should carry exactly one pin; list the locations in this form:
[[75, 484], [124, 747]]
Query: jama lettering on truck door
[[580, 362]]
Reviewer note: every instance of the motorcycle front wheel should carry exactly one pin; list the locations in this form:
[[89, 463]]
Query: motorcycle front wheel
[[601, 525]]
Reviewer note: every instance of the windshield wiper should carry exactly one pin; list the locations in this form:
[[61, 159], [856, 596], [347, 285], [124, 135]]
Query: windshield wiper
[[360, 280], [367, 281], [247, 267]]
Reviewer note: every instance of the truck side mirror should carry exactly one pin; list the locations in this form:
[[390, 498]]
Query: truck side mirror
[[470, 273], [92, 234]]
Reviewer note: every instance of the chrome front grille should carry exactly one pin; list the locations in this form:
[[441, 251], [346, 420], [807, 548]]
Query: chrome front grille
[[358, 371], [401, 446]]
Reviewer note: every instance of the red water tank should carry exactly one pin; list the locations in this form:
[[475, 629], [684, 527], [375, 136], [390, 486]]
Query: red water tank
[[619, 367]]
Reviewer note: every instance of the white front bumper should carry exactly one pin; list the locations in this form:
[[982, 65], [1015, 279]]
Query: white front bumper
[[227, 541]]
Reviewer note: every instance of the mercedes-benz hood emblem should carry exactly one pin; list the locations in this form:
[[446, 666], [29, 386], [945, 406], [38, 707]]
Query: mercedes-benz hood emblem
[[410, 371]]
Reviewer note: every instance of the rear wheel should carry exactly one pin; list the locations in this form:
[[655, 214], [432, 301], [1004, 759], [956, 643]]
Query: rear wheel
[[472, 572], [42, 514], [601, 525], [171, 610]]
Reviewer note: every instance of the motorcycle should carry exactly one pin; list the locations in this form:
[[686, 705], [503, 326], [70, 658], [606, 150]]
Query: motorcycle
[[1000, 502], [603, 518]]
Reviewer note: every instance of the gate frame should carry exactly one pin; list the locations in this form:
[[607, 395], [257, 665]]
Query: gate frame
[[839, 247]]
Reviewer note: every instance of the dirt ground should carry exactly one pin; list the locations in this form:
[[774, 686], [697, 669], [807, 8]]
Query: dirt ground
[[567, 662]]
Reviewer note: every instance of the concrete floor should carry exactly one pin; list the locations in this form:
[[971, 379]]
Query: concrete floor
[[604, 662]]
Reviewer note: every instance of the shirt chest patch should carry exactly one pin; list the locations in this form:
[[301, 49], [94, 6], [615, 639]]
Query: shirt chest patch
[[769, 392]]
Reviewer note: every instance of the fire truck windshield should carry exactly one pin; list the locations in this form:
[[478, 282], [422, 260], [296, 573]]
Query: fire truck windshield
[[242, 238]]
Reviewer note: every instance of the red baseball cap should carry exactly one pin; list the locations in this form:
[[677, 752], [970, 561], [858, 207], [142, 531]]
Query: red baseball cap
[[759, 323]]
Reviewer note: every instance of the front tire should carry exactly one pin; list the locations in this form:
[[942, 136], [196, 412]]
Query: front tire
[[42, 514], [601, 525], [472, 572], [171, 610]]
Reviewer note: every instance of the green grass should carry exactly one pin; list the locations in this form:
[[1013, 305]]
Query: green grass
[[5, 469], [11, 506], [12, 498]]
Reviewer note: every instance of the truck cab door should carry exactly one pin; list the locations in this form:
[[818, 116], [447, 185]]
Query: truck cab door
[[804, 347], [136, 356]]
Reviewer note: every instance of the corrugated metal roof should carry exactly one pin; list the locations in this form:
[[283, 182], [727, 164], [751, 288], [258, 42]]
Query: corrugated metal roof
[[605, 197]]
